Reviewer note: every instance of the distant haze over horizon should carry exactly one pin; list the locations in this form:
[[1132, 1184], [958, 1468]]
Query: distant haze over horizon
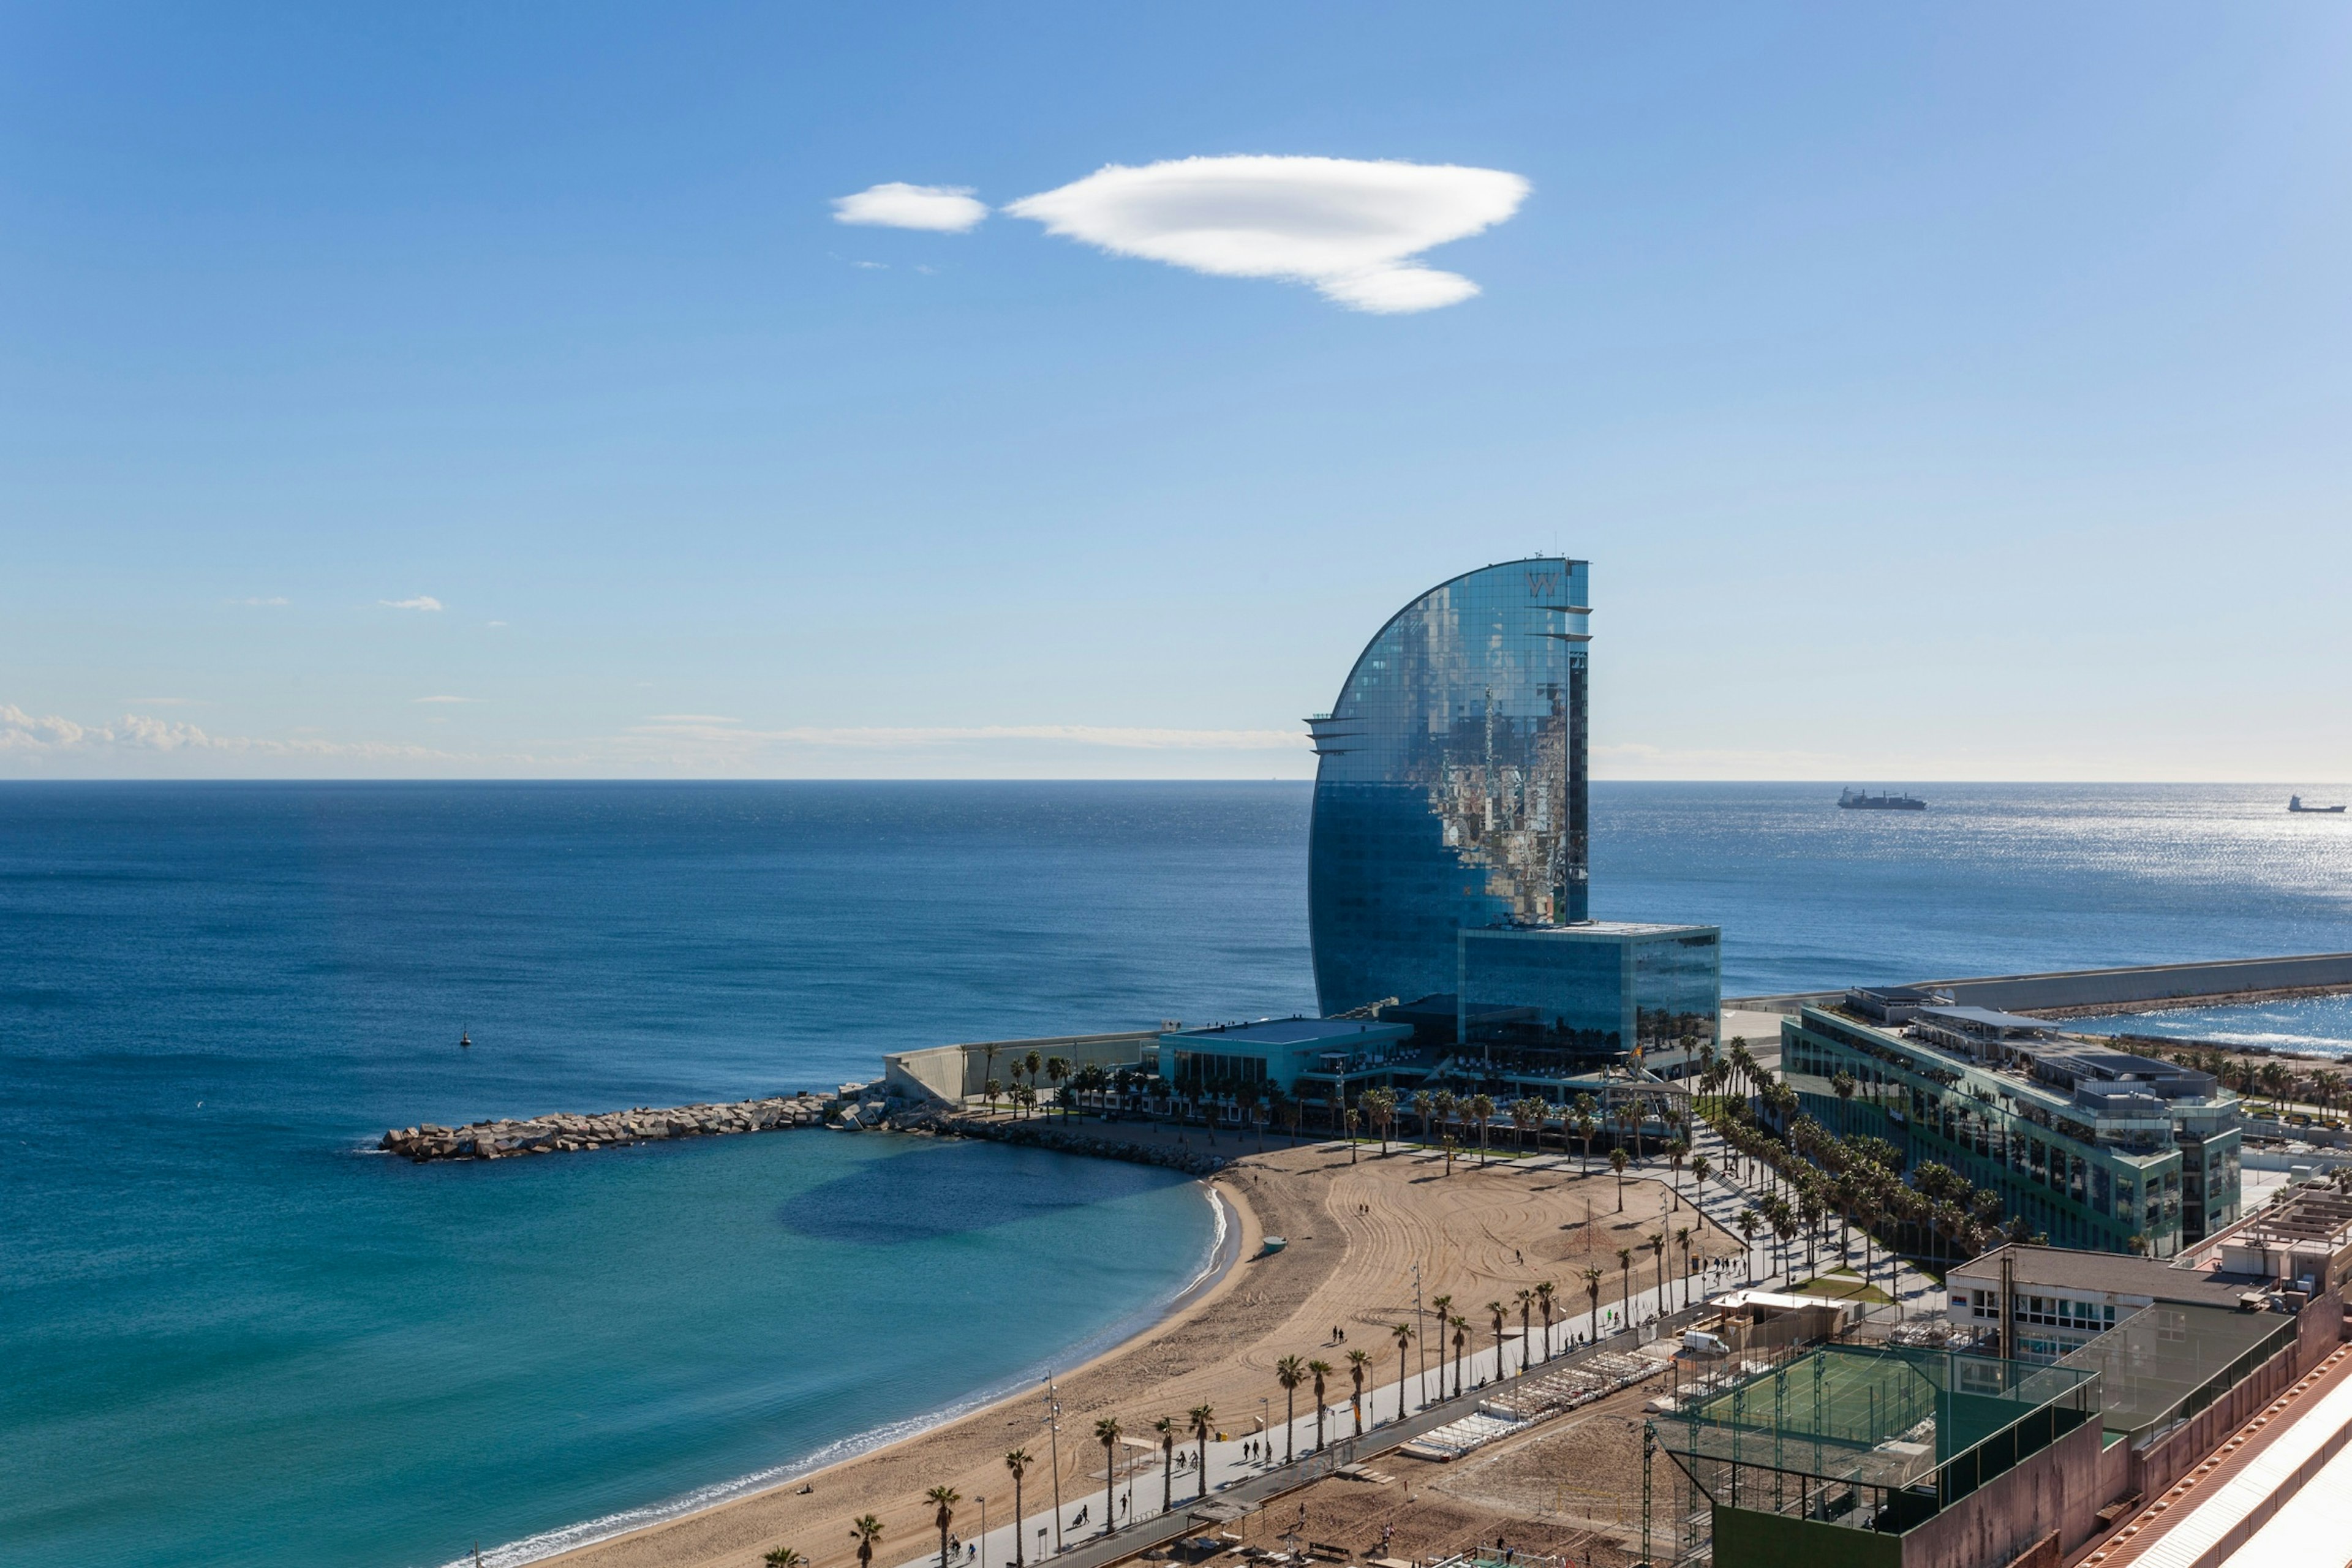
[[1072, 392]]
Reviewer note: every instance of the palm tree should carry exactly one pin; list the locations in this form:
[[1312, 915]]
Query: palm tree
[[1700, 1169], [1443, 1102], [989, 1092], [1676, 1150], [1482, 1110], [784, 1557], [1592, 1277], [865, 1530], [1586, 1106], [1108, 1433], [1625, 1283], [1526, 1301], [1290, 1372], [1527, 1115], [1056, 1069], [1683, 1240], [1018, 1462], [1204, 1418], [1461, 1336], [1321, 1369], [943, 1500], [1357, 1361], [1544, 1292], [1617, 1162], [1421, 1107], [1166, 1427], [1495, 1312], [1403, 1334], [1657, 1246], [1869, 1209]]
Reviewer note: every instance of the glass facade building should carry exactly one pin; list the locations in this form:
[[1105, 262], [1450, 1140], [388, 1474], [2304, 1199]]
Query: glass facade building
[[1451, 787], [1542, 1004], [2097, 1148]]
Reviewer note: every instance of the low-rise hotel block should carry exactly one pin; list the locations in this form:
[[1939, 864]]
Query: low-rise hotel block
[[1542, 1007], [2091, 1146]]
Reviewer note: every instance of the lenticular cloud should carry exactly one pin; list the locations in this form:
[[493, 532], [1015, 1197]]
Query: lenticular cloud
[[945, 209], [1350, 227]]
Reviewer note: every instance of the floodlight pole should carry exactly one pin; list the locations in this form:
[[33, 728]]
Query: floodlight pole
[[1649, 1446]]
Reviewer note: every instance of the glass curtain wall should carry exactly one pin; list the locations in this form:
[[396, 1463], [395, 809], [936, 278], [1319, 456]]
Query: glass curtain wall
[[1451, 790]]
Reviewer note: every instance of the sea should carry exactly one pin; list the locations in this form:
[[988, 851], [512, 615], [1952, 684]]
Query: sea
[[231, 1333]]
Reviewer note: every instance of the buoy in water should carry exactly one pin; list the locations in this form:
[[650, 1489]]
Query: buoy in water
[[465, 1041]]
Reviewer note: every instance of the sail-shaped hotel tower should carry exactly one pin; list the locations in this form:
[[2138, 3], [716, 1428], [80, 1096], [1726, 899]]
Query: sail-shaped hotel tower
[[1451, 790]]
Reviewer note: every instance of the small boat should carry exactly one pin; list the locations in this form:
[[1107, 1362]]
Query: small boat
[[465, 1041], [2295, 804]]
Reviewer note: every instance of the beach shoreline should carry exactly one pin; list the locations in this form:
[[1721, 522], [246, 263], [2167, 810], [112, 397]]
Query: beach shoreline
[[1357, 1225], [1234, 1233]]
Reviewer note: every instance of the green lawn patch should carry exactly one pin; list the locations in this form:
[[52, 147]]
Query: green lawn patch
[[1841, 1286]]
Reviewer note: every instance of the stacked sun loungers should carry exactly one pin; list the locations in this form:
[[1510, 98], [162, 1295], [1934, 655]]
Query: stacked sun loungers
[[1534, 1399]]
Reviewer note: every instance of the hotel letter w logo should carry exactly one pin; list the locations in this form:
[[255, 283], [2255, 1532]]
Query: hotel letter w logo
[[1542, 584]]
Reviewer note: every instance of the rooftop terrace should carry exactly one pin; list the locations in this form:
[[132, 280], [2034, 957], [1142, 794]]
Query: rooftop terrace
[[1878, 1438]]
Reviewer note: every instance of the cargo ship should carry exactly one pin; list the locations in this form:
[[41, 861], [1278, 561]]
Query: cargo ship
[[1854, 801], [2295, 804]]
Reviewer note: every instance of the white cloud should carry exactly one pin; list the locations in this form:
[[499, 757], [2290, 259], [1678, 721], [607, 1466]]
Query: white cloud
[[444, 699], [945, 209], [262, 600], [1349, 227], [422, 602], [22, 732], [707, 727], [689, 718]]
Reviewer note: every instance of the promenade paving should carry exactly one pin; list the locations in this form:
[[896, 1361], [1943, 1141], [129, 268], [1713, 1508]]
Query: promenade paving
[[1079, 1537]]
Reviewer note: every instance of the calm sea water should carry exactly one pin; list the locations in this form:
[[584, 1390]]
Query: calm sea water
[[231, 1336]]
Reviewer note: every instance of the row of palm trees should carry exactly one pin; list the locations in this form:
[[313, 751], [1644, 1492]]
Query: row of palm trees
[[2287, 1085], [1293, 1373], [1810, 1175]]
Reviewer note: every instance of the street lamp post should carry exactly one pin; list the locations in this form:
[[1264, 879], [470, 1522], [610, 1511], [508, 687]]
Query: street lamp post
[[983, 1530], [1054, 1438], [1421, 1337]]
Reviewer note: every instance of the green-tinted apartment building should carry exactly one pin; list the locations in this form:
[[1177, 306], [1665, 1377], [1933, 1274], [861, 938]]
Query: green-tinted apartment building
[[2091, 1145]]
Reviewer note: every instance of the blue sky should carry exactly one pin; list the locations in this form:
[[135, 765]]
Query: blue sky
[[1938, 391]]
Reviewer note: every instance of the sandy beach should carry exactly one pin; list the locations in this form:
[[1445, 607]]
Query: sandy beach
[[1355, 1230]]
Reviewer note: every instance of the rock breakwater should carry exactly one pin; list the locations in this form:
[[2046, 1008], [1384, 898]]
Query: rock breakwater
[[564, 1132]]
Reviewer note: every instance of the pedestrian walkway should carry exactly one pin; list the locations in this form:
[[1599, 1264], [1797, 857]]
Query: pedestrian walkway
[[1246, 1467]]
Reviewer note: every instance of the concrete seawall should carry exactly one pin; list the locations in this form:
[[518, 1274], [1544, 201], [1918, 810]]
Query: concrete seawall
[[1064, 1138], [2134, 986], [2151, 982]]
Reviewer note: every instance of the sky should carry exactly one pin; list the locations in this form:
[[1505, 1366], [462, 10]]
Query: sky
[[1939, 392]]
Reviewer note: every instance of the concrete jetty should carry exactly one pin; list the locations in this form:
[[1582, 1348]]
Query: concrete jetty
[[564, 1132]]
